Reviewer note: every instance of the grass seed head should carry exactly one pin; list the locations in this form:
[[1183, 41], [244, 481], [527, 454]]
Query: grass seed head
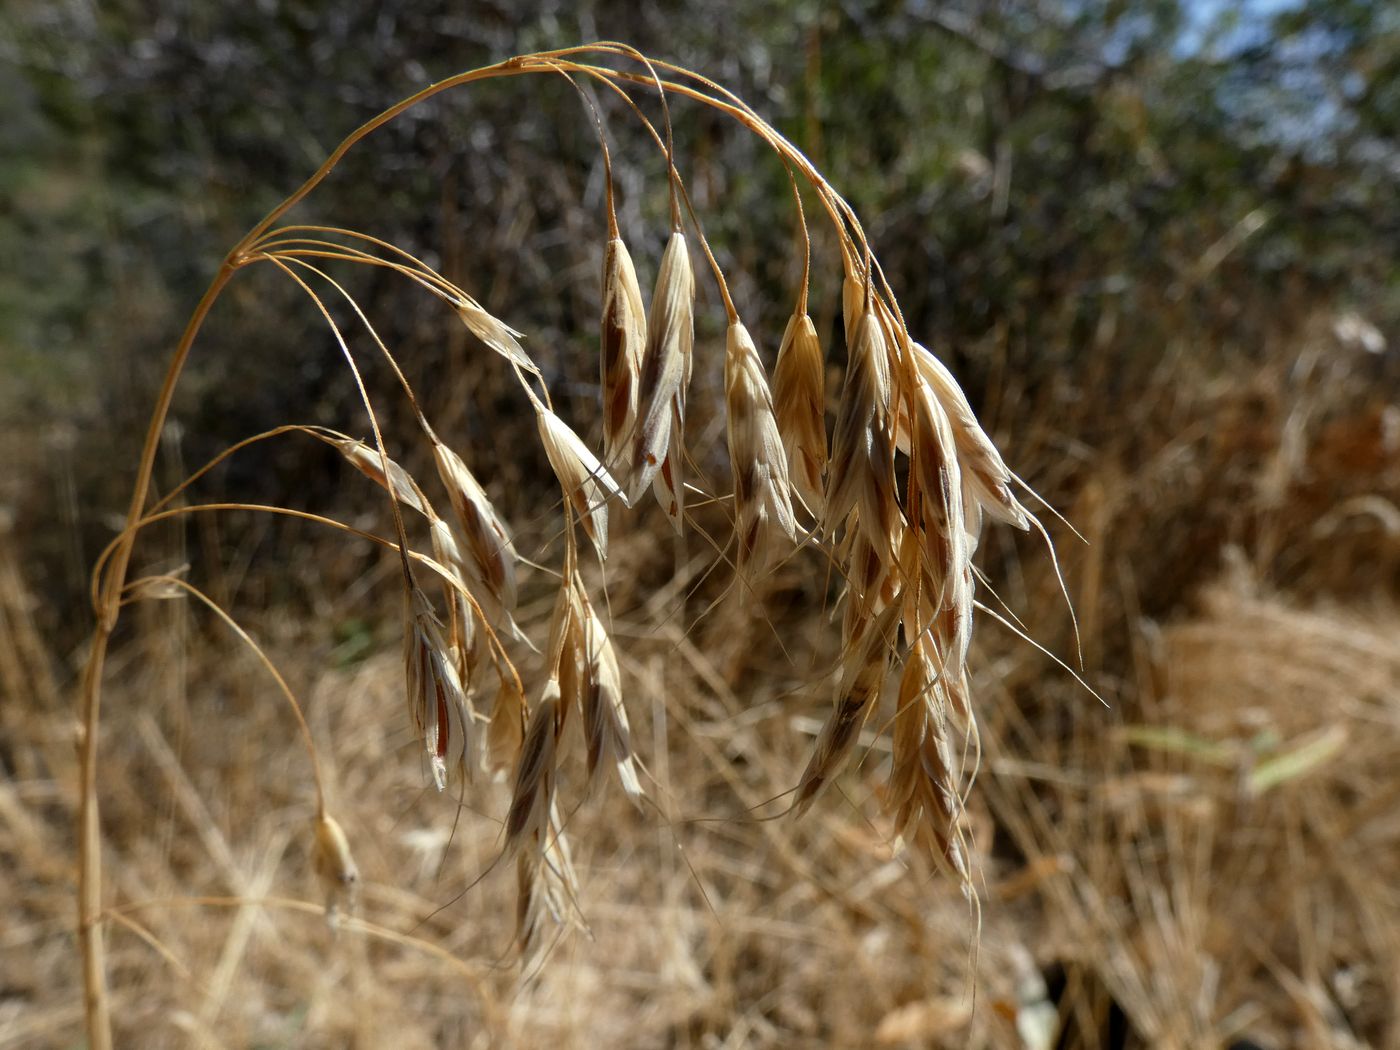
[[399, 482], [334, 866], [496, 334], [861, 474], [624, 339], [486, 554], [606, 731], [533, 795], [665, 375], [799, 402], [984, 473], [436, 701], [586, 482], [762, 495]]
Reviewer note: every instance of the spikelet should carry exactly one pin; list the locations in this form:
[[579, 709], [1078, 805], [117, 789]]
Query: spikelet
[[496, 334], [506, 730], [984, 472], [605, 727], [862, 453], [799, 402], [852, 305], [486, 554], [762, 499], [435, 699], [545, 885], [452, 549], [665, 377], [586, 482], [399, 482], [533, 794], [935, 496], [334, 866], [624, 340], [922, 793], [862, 678]]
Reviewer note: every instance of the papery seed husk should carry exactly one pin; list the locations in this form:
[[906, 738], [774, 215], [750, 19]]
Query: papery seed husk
[[534, 773], [624, 335], [436, 701], [489, 553], [799, 403], [862, 454], [333, 863], [399, 482], [863, 675], [496, 334], [607, 733], [586, 482], [545, 884], [666, 366], [506, 730], [762, 497], [985, 473]]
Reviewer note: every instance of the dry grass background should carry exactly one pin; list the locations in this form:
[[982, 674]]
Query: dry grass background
[[1209, 860], [1213, 857]]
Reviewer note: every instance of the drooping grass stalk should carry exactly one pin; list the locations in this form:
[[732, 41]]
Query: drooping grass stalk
[[903, 552]]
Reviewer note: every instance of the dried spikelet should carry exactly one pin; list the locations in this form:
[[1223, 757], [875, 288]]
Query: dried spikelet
[[984, 471], [486, 555], [922, 791], [452, 550], [506, 730], [606, 731], [436, 702], [799, 402], [852, 305], [762, 499], [665, 376], [936, 497], [545, 884], [862, 677], [862, 453], [334, 866], [586, 482], [399, 482], [623, 348], [496, 334], [533, 794]]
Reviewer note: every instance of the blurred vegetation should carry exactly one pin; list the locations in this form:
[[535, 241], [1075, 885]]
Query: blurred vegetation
[[1049, 184]]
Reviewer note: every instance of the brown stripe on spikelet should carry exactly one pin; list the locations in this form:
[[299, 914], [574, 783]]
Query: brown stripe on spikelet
[[436, 702], [799, 403], [762, 499], [861, 474], [495, 333], [665, 376], [586, 482], [624, 336], [533, 794]]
